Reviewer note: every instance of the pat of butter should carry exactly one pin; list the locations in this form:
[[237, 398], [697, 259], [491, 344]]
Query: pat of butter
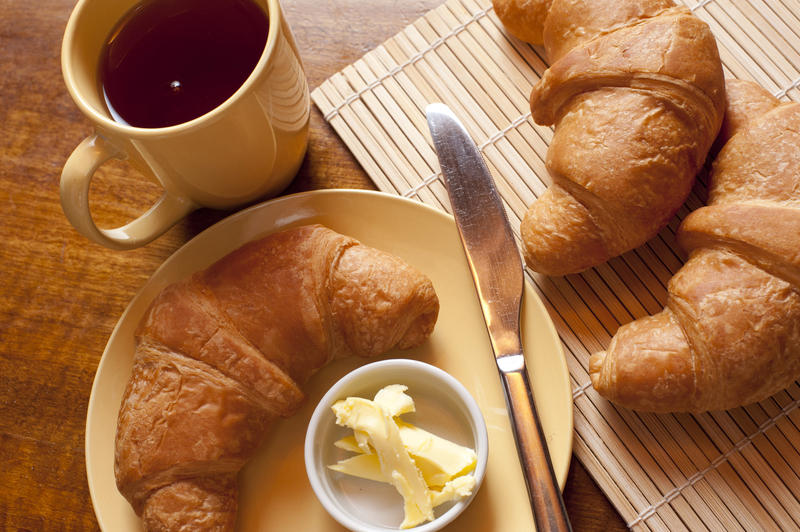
[[396, 465], [438, 460], [427, 470]]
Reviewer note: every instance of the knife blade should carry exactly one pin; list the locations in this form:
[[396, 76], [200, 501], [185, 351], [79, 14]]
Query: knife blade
[[496, 266]]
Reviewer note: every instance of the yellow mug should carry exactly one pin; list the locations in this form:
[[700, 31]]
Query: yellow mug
[[249, 147]]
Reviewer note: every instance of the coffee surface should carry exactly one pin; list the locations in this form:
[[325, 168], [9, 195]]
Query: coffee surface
[[170, 61]]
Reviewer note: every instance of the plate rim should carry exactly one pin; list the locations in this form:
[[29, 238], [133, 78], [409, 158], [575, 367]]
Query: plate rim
[[561, 475]]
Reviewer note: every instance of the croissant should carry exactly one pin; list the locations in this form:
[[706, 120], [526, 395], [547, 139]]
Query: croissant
[[222, 354], [636, 92], [730, 332]]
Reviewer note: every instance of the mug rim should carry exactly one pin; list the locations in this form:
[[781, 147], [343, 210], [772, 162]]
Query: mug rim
[[274, 17]]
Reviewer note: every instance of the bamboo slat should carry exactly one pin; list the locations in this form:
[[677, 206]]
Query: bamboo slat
[[733, 470]]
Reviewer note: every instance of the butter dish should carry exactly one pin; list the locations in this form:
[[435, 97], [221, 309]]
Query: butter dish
[[442, 406]]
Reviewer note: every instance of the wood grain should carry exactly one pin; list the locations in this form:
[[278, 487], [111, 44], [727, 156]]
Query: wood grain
[[62, 295]]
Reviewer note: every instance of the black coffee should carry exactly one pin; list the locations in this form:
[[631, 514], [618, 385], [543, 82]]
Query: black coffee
[[169, 61]]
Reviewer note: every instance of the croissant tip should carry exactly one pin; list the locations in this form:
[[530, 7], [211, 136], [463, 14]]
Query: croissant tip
[[596, 366], [596, 361]]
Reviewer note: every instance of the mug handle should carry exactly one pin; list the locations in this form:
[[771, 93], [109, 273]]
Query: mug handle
[[81, 165]]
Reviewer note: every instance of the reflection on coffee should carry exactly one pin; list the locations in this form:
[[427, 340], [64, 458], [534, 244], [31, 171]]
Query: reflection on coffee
[[169, 61]]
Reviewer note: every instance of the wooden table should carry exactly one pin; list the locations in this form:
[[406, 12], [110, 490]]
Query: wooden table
[[62, 295]]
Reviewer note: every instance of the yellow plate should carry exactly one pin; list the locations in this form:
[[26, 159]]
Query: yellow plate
[[276, 494]]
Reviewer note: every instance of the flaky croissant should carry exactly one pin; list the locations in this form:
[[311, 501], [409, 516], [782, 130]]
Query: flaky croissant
[[222, 354], [636, 92], [730, 333]]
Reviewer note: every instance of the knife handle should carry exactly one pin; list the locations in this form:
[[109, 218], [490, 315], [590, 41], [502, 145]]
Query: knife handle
[[549, 512]]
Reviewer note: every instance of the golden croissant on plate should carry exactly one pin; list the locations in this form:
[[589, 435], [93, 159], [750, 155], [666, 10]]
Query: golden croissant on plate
[[636, 93], [222, 354], [730, 333]]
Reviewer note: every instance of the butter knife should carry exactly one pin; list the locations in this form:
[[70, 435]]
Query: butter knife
[[496, 266]]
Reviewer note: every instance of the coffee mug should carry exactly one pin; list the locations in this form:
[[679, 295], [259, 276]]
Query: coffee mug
[[247, 148]]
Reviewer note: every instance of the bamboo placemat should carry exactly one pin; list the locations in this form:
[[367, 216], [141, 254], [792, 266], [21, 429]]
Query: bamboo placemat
[[732, 470]]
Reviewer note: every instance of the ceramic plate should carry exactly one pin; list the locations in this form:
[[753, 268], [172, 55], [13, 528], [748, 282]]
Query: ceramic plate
[[276, 494]]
